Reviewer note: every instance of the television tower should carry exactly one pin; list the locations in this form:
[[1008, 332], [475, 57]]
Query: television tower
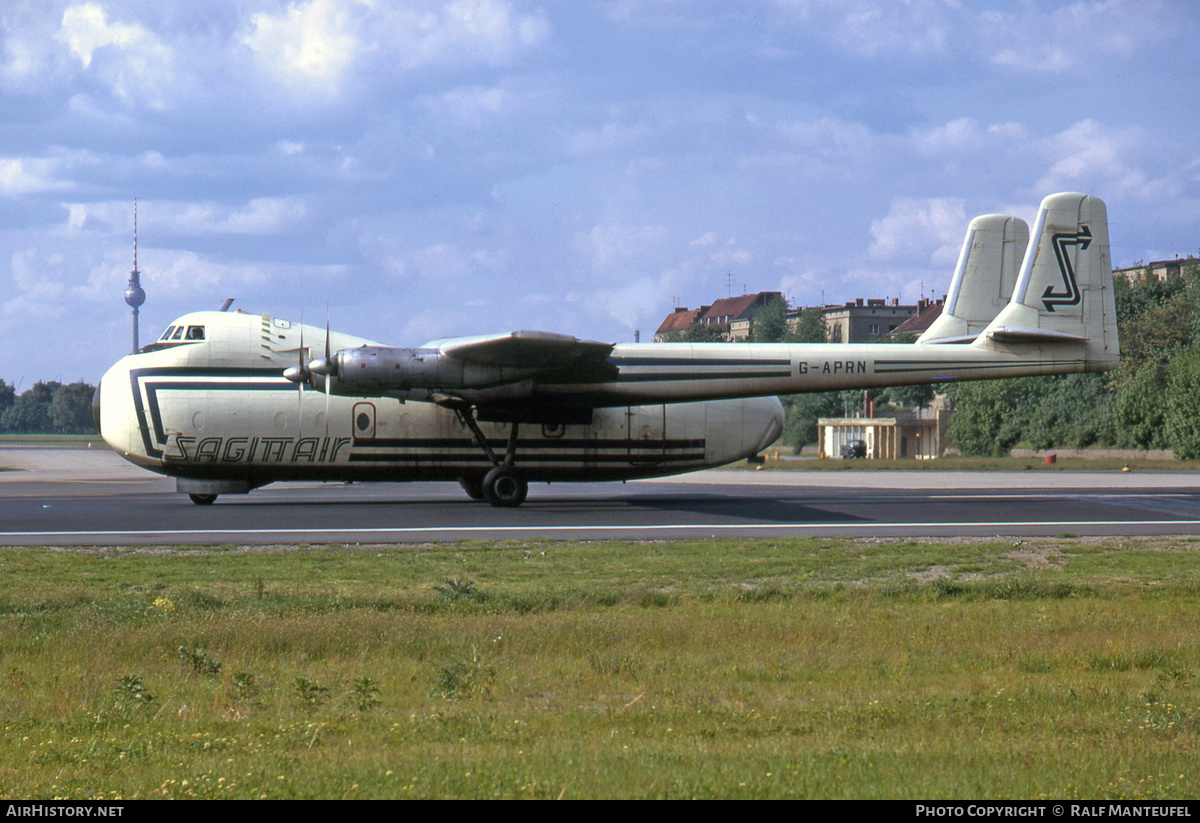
[[135, 295]]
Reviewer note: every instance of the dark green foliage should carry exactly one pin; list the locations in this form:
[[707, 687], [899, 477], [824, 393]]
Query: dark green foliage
[[810, 327], [8, 396], [1138, 408], [801, 413], [770, 324], [71, 409], [27, 415], [989, 417], [48, 407], [1181, 401], [905, 397], [1068, 411]]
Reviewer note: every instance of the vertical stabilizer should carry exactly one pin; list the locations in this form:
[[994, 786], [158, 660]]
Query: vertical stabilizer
[[983, 280], [1064, 291]]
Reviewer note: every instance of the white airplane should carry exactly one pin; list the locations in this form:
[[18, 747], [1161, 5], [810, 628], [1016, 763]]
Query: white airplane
[[219, 402]]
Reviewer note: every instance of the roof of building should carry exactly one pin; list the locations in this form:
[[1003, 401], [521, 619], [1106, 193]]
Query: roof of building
[[679, 320], [737, 308], [927, 312]]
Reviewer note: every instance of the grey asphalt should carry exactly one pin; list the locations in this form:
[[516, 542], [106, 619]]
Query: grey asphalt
[[93, 497]]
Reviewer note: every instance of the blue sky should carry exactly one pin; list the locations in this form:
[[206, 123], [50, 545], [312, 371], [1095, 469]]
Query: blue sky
[[445, 167]]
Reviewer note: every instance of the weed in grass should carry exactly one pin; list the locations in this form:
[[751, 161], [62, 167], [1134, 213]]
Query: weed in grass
[[201, 600], [364, 695], [458, 589], [16, 678], [246, 688], [464, 679], [310, 692], [131, 693], [761, 594], [649, 598], [199, 661]]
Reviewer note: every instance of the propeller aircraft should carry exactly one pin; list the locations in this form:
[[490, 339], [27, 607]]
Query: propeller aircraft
[[227, 402]]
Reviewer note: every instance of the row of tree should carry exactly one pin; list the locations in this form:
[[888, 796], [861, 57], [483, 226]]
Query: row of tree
[[1151, 401], [47, 408]]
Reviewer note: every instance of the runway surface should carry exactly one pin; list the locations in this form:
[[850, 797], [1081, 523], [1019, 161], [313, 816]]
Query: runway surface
[[92, 497]]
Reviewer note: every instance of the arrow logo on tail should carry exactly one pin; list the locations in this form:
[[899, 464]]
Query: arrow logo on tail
[[1071, 297]]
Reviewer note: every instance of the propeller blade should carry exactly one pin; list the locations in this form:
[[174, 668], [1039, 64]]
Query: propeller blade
[[303, 376], [328, 376]]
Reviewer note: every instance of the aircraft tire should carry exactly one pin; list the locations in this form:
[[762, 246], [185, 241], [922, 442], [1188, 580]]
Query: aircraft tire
[[473, 486], [203, 499], [504, 488]]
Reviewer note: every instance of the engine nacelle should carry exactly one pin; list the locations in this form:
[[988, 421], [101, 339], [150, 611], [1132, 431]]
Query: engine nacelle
[[384, 369]]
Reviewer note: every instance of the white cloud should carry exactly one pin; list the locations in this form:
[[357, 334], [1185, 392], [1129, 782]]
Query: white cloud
[[308, 47], [607, 247], [1090, 156], [265, 215], [962, 134], [259, 217], [462, 31], [608, 138], [1049, 59], [475, 107], [138, 65], [1073, 36], [919, 28], [85, 29], [23, 175], [922, 231], [312, 48]]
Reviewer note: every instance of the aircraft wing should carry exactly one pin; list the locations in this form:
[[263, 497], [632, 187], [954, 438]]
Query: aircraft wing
[[528, 350]]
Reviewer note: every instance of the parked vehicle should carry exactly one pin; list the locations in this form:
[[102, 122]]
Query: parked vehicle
[[853, 449]]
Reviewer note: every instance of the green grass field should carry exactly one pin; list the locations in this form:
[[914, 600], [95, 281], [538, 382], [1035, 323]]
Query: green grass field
[[1060, 668]]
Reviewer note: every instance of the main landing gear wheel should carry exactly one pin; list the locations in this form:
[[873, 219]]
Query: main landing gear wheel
[[473, 486], [203, 499], [503, 487]]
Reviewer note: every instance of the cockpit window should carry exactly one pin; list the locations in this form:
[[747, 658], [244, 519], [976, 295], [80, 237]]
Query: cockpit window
[[195, 333], [178, 333], [167, 334]]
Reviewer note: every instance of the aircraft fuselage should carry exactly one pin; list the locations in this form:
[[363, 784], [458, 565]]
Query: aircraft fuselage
[[217, 413]]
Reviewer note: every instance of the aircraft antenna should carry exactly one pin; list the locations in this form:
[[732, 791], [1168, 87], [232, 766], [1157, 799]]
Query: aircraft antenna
[[135, 295]]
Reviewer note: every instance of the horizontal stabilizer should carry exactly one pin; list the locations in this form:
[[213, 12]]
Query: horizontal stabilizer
[[962, 338], [1012, 334]]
